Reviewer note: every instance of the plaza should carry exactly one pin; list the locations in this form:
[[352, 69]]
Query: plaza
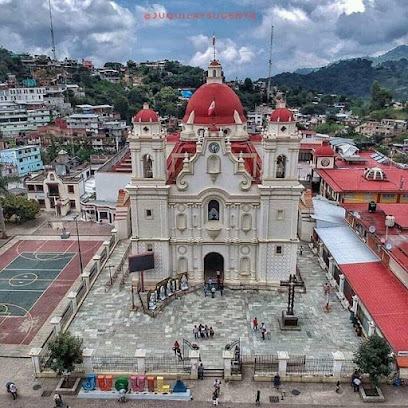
[[106, 324]]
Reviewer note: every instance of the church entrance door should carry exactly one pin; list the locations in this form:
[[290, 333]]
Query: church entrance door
[[213, 262]]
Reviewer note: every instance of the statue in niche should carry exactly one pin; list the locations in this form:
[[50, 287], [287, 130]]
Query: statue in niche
[[184, 283], [162, 293], [206, 133], [213, 215], [169, 288], [153, 301]]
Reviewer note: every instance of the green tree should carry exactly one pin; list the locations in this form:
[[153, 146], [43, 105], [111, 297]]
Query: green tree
[[4, 182], [248, 85], [121, 105], [66, 351], [20, 207], [380, 97], [373, 358]]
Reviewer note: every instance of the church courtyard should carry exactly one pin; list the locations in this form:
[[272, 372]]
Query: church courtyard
[[108, 326]]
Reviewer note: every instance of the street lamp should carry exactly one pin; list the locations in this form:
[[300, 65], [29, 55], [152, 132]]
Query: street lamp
[[66, 235]]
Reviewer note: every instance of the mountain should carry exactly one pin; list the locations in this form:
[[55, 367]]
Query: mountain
[[352, 77], [395, 54], [305, 71]]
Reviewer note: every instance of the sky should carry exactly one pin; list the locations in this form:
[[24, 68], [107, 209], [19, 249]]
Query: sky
[[307, 33]]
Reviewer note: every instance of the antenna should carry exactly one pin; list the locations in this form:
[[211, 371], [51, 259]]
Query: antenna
[[213, 41], [268, 89], [52, 32]]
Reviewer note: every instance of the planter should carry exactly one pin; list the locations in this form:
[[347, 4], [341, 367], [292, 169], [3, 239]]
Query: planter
[[372, 394], [70, 388]]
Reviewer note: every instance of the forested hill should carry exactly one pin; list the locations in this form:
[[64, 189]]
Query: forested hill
[[353, 78]]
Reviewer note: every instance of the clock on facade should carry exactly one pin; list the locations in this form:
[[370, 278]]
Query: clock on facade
[[214, 147], [325, 162]]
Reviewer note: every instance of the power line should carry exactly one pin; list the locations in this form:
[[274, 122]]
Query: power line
[[268, 89], [52, 32]]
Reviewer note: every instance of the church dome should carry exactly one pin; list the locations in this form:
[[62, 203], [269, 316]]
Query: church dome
[[146, 115], [324, 151], [282, 115], [225, 100]]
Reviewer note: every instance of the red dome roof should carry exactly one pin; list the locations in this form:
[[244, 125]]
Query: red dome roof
[[226, 102], [146, 115], [282, 115], [324, 150]]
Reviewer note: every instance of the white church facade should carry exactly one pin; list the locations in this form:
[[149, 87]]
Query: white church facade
[[217, 201]]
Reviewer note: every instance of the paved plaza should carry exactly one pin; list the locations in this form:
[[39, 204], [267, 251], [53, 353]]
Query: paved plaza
[[107, 325]]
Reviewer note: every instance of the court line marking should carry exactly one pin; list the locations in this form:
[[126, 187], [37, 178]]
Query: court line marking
[[27, 313], [22, 280], [56, 256], [31, 269], [21, 290], [40, 246]]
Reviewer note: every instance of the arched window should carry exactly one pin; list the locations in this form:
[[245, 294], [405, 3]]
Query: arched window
[[280, 166], [213, 210], [214, 73], [147, 166]]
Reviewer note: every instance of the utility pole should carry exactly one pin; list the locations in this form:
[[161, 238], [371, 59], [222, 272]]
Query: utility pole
[[52, 33], [268, 89]]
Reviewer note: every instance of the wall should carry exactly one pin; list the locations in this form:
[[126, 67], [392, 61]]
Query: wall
[[108, 185]]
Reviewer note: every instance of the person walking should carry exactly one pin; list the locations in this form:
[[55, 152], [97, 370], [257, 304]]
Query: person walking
[[210, 283], [218, 282], [211, 332], [195, 331], [263, 330], [222, 289], [301, 250], [338, 387], [255, 324], [58, 400], [353, 376], [213, 292], [202, 333], [12, 389], [206, 331], [205, 290], [215, 397], [356, 384], [201, 372], [179, 354], [258, 398], [176, 346]]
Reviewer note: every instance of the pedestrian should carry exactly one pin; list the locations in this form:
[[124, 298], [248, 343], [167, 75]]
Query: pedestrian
[[255, 324], [338, 387], [221, 289], [122, 395], [176, 346], [205, 290], [263, 330], [213, 292], [11, 388], [202, 333], [195, 331], [218, 282], [327, 289], [356, 384], [211, 332], [276, 381], [258, 398], [179, 355], [207, 331], [215, 397], [353, 376], [209, 283], [301, 250], [201, 372], [58, 400]]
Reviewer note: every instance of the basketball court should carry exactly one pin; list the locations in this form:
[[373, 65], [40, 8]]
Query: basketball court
[[34, 277]]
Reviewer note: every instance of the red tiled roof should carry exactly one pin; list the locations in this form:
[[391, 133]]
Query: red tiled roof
[[385, 298], [399, 211], [324, 151], [281, 115], [309, 145]]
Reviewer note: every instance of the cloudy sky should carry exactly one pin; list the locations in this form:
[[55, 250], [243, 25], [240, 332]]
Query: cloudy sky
[[307, 33]]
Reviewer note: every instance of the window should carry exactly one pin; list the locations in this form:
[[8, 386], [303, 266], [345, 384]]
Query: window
[[280, 166], [147, 166], [31, 187], [103, 215], [149, 214], [280, 214], [278, 249], [42, 203], [214, 73], [40, 188], [70, 189], [72, 204], [149, 247], [388, 196], [213, 210]]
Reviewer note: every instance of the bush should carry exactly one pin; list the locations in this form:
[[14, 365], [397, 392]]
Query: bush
[[373, 358], [66, 351]]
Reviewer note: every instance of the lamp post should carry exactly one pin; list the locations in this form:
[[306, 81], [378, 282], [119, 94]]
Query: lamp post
[[66, 235]]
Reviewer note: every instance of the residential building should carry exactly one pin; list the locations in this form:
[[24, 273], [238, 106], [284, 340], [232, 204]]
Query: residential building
[[387, 128], [25, 159], [111, 75], [87, 121]]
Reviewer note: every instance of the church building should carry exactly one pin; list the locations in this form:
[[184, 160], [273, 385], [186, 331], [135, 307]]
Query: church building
[[216, 198]]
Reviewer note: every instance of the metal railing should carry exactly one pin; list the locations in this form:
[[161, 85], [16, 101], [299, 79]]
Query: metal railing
[[347, 368], [68, 312], [115, 364], [302, 365], [167, 364], [81, 292], [266, 364]]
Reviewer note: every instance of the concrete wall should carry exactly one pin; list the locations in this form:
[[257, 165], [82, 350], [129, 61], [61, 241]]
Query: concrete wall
[[108, 185]]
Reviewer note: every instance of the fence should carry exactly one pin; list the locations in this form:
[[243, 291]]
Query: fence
[[265, 364], [302, 365], [167, 364], [115, 364], [104, 255], [81, 292], [44, 356], [68, 312], [347, 368]]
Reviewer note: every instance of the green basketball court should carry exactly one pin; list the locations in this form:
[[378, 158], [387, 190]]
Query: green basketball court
[[27, 277]]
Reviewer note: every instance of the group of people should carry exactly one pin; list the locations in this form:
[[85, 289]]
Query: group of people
[[262, 328], [217, 391], [203, 332]]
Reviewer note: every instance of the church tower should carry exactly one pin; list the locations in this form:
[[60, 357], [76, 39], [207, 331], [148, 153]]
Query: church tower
[[280, 193], [148, 191]]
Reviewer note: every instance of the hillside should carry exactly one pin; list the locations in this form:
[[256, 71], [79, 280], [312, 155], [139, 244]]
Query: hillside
[[353, 78], [395, 54]]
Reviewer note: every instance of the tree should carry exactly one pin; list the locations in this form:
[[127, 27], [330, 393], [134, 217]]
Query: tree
[[248, 85], [122, 106], [373, 358], [20, 207], [66, 351], [4, 182], [380, 97]]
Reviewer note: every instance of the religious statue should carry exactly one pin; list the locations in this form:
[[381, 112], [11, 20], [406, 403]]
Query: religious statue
[[213, 215], [169, 289], [220, 132], [162, 293], [206, 133], [153, 301], [184, 283]]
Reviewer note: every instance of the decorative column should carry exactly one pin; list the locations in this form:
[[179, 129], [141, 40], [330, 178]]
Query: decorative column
[[87, 359], [371, 328], [35, 354], [56, 322], [115, 234], [355, 304], [283, 358], [338, 360], [85, 277], [227, 357], [331, 267], [140, 357], [106, 246], [194, 359], [341, 285], [72, 297], [97, 260]]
